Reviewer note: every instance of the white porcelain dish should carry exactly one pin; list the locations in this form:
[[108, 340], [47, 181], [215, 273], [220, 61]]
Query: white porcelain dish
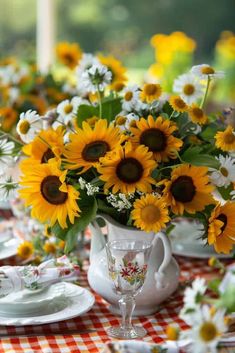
[[28, 302], [9, 248], [75, 302], [186, 241]]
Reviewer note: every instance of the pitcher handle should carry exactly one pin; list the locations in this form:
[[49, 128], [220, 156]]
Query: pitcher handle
[[160, 278]]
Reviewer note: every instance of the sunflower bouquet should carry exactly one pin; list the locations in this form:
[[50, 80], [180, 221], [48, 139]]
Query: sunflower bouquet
[[132, 152]]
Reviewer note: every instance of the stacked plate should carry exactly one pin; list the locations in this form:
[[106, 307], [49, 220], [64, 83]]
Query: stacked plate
[[8, 241], [57, 302]]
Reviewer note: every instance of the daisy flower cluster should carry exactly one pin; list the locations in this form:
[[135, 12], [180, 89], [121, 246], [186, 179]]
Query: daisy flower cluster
[[207, 318], [130, 151]]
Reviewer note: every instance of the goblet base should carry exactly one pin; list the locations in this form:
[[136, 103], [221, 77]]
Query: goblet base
[[134, 332]]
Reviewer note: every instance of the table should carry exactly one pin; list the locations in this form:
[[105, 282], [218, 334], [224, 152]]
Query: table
[[99, 318]]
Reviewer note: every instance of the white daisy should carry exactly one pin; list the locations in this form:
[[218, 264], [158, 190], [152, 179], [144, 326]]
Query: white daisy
[[131, 120], [29, 125], [96, 78], [194, 294], [8, 188], [204, 71], [130, 98], [188, 87], [67, 109], [6, 158], [86, 62], [206, 331], [226, 173]]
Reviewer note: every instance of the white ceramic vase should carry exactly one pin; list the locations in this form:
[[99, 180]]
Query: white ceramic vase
[[163, 271]]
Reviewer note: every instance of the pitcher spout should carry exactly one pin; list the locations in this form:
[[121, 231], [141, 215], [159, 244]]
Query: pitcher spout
[[97, 240]]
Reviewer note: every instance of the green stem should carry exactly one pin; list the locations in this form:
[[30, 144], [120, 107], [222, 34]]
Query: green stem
[[171, 114], [100, 105], [206, 92]]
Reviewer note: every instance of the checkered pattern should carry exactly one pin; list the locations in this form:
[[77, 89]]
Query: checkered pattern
[[99, 318]]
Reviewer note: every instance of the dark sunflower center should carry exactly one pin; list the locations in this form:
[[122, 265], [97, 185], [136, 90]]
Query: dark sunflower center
[[69, 58], [129, 170], [50, 190], [154, 139], [223, 218], [94, 150], [47, 155], [183, 189]]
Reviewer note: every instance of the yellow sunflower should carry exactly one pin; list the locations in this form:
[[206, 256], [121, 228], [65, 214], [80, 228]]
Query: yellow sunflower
[[25, 250], [48, 144], [150, 213], [44, 189], [157, 136], [225, 140], [188, 190], [127, 169], [118, 71], [69, 54], [178, 104], [88, 145], [221, 228], [197, 115], [150, 92]]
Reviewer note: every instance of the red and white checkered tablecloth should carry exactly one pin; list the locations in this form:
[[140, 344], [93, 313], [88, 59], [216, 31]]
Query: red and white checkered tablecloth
[[99, 318]]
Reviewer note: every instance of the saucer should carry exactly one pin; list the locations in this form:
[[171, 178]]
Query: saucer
[[186, 241], [79, 303]]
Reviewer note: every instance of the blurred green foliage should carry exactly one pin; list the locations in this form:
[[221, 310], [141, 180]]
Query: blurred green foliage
[[120, 27]]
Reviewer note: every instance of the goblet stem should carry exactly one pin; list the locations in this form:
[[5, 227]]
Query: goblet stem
[[127, 306]]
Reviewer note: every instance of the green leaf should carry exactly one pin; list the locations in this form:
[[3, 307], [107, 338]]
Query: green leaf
[[169, 229], [88, 207], [227, 299], [86, 112], [214, 285], [225, 192], [194, 155], [110, 108], [104, 208], [209, 132]]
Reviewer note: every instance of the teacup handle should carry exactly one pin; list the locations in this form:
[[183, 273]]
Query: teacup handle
[[161, 281]]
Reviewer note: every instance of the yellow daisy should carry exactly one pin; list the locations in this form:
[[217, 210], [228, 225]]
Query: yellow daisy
[[118, 71], [69, 54], [221, 228], [150, 92], [178, 104], [150, 213], [88, 145], [225, 140], [44, 189], [48, 144], [197, 115], [127, 169], [188, 190], [25, 250], [157, 136]]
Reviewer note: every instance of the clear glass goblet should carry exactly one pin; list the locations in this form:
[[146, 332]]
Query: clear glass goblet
[[127, 263]]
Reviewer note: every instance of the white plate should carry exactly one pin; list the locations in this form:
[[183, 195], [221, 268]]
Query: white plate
[[186, 241], [28, 302], [81, 300], [9, 248]]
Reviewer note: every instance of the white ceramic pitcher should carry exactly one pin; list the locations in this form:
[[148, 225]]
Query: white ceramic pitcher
[[163, 271]]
